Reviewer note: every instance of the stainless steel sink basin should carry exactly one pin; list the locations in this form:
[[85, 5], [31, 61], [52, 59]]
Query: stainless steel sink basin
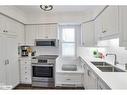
[[105, 67], [100, 64], [69, 67], [110, 69]]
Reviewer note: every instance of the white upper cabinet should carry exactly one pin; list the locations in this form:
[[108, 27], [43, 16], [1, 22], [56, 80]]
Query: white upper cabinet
[[123, 25], [44, 31], [30, 31], [47, 31], [109, 21], [7, 25], [88, 38]]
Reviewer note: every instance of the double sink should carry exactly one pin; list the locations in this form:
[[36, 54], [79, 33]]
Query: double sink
[[105, 67]]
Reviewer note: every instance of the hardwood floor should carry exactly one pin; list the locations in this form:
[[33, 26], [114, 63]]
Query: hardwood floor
[[29, 87]]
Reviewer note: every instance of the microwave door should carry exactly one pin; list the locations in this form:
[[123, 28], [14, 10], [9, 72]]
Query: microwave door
[[45, 43]]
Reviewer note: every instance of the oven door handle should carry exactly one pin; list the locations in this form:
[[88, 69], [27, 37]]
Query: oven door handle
[[43, 65]]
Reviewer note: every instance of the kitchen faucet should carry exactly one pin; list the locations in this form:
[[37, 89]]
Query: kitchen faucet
[[115, 62]]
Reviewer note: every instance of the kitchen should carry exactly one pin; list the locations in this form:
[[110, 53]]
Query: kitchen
[[77, 47]]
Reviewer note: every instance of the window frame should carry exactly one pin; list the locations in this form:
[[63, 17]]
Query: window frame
[[61, 27]]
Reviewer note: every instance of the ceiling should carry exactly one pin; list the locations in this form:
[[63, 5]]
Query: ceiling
[[34, 9]]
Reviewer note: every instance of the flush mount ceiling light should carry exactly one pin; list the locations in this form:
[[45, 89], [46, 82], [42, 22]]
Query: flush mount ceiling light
[[46, 7]]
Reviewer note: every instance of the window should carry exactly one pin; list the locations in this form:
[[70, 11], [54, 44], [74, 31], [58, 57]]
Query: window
[[68, 41]]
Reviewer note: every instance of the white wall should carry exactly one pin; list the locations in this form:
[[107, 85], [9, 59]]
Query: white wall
[[14, 13]]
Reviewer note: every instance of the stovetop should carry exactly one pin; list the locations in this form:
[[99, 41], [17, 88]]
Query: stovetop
[[46, 57]]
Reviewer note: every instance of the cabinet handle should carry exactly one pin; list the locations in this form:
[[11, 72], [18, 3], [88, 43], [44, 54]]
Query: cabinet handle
[[104, 31], [5, 62], [46, 36], [83, 43], [88, 72], [68, 79], [84, 66]]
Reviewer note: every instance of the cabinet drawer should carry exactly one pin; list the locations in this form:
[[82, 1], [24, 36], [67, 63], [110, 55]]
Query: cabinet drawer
[[26, 80], [25, 67], [68, 79]]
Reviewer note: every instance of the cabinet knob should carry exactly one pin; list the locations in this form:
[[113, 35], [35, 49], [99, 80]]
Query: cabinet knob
[[4, 31], [83, 43], [104, 31]]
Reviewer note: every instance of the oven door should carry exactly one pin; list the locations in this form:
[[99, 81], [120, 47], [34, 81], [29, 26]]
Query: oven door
[[42, 72]]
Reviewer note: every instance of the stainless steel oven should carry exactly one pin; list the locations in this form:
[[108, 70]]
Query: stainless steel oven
[[43, 75], [43, 71]]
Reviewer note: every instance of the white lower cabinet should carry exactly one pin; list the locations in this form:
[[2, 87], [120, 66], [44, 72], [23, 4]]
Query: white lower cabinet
[[25, 71], [91, 80], [9, 72], [68, 80], [101, 85]]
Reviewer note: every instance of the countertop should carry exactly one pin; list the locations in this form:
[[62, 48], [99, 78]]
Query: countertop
[[115, 80]]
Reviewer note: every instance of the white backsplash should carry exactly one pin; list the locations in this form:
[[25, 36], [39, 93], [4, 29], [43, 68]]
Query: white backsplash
[[46, 50], [121, 52], [108, 46], [88, 52]]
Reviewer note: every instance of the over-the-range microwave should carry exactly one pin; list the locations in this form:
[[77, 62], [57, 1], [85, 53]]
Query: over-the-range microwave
[[47, 42]]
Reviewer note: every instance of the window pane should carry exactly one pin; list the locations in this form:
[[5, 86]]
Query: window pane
[[68, 35], [68, 49]]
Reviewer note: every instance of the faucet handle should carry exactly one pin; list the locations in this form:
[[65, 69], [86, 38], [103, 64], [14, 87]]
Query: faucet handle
[[126, 66], [117, 62]]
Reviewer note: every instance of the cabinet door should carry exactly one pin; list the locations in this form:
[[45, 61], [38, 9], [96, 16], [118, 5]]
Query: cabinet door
[[101, 85], [20, 33], [7, 25], [11, 57], [88, 38], [42, 32], [2, 63], [2, 24], [123, 25], [10, 26], [91, 79], [85, 79], [47, 31], [52, 33], [98, 28], [110, 21], [30, 31]]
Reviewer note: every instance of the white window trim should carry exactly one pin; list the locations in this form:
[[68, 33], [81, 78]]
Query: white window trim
[[61, 41]]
